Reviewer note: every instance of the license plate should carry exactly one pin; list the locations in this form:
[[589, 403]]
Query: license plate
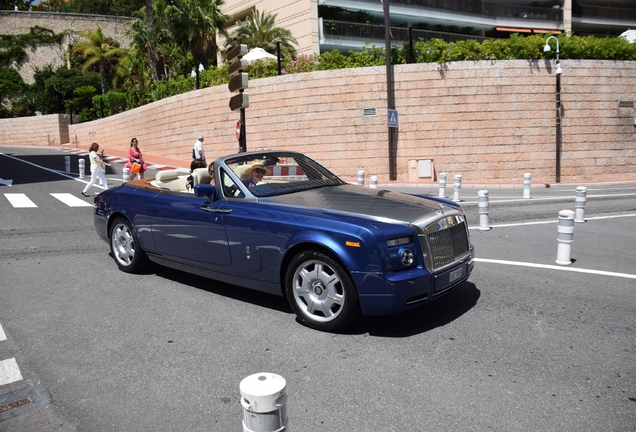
[[456, 274]]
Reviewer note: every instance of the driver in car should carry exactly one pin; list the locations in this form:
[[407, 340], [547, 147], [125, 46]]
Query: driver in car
[[256, 173]]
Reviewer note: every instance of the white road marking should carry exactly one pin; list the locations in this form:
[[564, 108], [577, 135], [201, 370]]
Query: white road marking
[[9, 371], [554, 221], [19, 200], [556, 198], [555, 267], [3, 336], [71, 200]]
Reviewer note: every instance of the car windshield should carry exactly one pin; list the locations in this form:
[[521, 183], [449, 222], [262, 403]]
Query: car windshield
[[279, 173]]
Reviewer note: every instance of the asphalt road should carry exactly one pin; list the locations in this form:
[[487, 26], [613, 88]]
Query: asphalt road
[[524, 345]]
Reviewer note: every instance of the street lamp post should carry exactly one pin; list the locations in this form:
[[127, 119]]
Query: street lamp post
[[558, 71]]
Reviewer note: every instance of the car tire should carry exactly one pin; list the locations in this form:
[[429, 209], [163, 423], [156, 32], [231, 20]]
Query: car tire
[[320, 292], [125, 247]]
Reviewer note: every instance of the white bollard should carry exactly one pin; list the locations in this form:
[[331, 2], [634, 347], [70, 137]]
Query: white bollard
[[126, 174], [361, 178], [373, 182], [581, 193], [442, 185], [264, 403], [482, 197], [457, 187], [67, 164], [565, 237], [81, 164], [526, 185]]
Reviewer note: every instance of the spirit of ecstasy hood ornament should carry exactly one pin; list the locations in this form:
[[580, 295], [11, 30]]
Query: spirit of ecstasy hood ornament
[[441, 208]]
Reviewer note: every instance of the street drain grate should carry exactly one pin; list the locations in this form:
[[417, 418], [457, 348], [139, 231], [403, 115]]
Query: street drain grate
[[16, 404], [22, 401]]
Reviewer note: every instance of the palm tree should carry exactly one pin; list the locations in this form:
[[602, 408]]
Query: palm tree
[[258, 30], [97, 49], [132, 71], [147, 35], [195, 29]]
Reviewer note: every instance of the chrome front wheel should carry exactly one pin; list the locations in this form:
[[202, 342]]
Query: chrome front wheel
[[321, 292]]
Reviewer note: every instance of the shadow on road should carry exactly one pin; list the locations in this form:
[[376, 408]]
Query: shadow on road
[[436, 314]]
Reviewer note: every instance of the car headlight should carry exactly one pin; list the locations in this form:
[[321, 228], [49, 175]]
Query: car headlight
[[407, 257], [398, 241]]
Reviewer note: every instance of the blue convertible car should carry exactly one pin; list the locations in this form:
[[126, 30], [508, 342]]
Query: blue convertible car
[[279, 222]]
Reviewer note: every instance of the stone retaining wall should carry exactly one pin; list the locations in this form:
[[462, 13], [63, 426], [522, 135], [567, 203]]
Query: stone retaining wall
[[21, 23], [46, 130], [489, 121]]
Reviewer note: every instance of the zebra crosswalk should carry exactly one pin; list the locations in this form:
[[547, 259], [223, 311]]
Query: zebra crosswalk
[[20, 200], [9, 370]]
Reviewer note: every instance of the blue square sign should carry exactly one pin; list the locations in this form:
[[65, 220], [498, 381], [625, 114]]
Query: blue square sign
[[393, 118]]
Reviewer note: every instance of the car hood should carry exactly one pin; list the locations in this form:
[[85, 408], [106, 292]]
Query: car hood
[[374, 203]]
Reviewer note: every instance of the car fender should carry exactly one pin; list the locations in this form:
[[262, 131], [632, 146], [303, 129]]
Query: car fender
[[357, 252]]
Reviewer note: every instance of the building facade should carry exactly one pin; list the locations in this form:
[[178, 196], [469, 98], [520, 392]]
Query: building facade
[[322, 25]]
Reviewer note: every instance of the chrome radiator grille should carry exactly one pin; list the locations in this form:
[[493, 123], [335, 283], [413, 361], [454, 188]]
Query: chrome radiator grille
[[447, 241]]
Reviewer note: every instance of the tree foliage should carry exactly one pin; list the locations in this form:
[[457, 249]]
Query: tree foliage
[[259, 30], [98, 50]]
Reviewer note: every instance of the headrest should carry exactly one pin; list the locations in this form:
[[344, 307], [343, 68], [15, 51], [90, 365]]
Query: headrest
[[167, 175], [201, 176]]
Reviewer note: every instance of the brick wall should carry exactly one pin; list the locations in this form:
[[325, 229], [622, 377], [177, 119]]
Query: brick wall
[[489, 121], [21, 23]]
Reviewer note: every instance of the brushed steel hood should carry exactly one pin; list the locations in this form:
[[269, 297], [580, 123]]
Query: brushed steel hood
[[374, 203]]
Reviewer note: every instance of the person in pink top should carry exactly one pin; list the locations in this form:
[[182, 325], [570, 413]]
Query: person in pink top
[[135, 156]]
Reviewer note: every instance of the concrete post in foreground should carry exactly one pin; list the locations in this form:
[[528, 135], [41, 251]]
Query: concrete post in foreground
[[565, 237], [126, 174], [442, 185], [361, 178], [581, 194], [373, 182], [264, 403], [457, 187], [482, 197], [81, 164], [67, 164], [527, 177]]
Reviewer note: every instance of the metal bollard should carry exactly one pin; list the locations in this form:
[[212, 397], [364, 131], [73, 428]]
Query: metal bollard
[[373, 182], [482, 197], [264, 403], [442, 185], [581, 193], [126, 174], [67, 164], [361, 178], [526, 185], [457, 187], [81, 163], [565, 237]]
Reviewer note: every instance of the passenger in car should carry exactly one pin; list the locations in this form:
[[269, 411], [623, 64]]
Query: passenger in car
[[196, 163], [256, 173]]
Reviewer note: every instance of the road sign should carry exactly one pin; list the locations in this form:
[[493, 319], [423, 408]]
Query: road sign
[[240, 50], [239, 101], [238, 66], [238, 130], [393, 118], [239, 82]]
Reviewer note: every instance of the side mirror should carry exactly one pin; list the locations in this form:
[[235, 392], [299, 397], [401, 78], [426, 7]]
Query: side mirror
[[205, 190]]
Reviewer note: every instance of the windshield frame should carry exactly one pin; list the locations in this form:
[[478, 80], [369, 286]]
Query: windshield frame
[[308, 174]]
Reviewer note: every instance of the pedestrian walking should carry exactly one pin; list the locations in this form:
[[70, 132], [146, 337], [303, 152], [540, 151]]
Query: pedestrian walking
[[97, 170], [197, 151], [136, 163]]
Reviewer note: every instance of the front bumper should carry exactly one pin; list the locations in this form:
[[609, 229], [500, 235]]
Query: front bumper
[[380, 295]]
